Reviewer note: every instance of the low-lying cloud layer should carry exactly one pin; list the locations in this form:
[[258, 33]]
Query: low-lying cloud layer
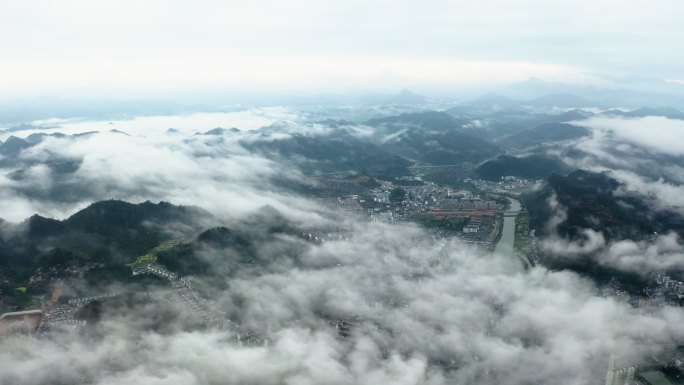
[[211, 171], [386, 305], [655, 133], [644, 154], [659, 253], [417, 313]]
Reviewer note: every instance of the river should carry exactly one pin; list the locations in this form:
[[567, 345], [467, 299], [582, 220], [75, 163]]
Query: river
[[505, 244]]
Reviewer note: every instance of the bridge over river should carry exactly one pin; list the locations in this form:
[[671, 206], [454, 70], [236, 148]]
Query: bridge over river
[[511, 213]]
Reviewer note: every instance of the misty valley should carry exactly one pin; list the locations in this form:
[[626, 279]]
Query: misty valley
[[394, 240]]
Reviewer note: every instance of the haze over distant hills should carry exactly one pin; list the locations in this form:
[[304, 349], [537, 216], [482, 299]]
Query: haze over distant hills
[[340, 219], [532, 93], [346, 193]]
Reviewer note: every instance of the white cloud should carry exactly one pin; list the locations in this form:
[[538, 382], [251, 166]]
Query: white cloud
[[244, 120], [420, 313], [661, 253], [662, 195], [643, 154], [655, 133], [664, 253], [590, 242], [222, 178]]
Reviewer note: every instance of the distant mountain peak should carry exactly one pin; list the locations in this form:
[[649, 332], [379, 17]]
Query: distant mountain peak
[[13, 146], [220, 131], [115, 131], [406, 96], [668, 112], [40, 136]]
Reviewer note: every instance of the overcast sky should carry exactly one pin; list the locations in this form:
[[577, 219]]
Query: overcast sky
[[314, 45]]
